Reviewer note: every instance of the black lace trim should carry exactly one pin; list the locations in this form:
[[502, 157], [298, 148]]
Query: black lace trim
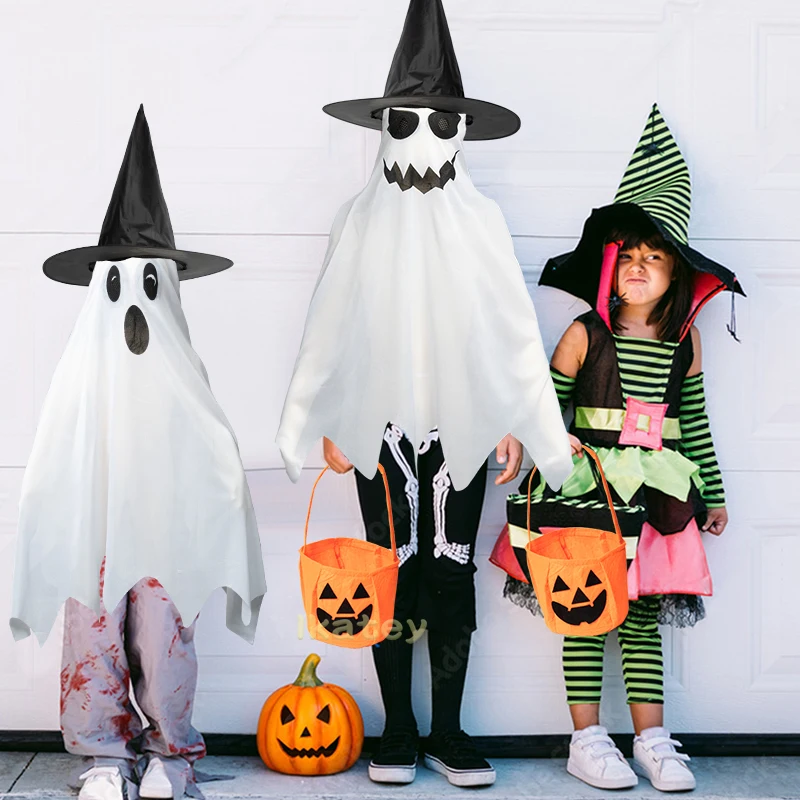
[[681, 610]]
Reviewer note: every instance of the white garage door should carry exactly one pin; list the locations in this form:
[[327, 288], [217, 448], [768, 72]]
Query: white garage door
[[253, 170]]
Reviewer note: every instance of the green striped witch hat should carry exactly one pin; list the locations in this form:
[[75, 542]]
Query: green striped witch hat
[[654, 195], [657, 179]]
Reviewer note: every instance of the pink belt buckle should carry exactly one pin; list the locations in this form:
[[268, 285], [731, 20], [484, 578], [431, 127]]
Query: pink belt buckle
[[643, 424]]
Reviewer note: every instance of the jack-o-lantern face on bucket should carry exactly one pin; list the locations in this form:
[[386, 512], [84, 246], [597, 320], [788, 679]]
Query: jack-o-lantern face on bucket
[[578, 607], [340, 614]]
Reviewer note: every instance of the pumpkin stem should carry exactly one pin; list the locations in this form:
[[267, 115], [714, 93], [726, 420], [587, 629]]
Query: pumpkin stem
[[308, 672]]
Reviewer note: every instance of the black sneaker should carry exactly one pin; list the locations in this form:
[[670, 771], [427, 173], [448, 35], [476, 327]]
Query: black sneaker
[[396, 759], [455, 756]]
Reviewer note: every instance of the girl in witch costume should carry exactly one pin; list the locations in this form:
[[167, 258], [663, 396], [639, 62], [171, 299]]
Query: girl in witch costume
[[134, 503], [632, 369], [420, 339]]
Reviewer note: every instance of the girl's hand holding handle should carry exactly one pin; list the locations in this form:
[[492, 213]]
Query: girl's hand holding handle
[[575, 444]]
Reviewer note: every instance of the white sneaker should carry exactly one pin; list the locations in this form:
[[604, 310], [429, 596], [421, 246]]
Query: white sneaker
[[655, 757], [595, 759], [155, 783], [101, 783]]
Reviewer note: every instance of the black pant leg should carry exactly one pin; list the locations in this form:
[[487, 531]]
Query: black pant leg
[[448, 528], [397, 458], [393, 657]]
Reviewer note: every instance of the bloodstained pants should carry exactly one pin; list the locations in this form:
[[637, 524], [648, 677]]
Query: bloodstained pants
[[140, 645]]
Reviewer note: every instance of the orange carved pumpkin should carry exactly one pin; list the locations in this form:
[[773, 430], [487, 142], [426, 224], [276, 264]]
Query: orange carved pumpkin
[[310, 727]]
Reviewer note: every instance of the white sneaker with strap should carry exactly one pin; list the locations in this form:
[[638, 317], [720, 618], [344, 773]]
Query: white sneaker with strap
[[101, 783], [595, 759], [655, 757]]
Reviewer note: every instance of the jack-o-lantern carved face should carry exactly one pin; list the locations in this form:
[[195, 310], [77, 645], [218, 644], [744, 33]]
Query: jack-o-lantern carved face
[[339, 616], [304, 741], [310, 727], [578, 607]]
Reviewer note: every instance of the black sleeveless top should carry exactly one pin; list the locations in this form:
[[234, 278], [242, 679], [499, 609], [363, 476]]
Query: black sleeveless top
[[598, 383]]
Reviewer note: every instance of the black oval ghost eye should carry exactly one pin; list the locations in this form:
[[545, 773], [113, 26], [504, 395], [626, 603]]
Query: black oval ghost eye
[[402, 123], [286, 715], [325, 714], [113, 284], [444, 124], [150, 281]]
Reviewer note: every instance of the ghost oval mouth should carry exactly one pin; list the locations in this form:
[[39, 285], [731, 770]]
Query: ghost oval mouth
[[137, 332], [430, 180]]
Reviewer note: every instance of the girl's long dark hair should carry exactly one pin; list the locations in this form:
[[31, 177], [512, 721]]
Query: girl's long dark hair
[[673, 308]]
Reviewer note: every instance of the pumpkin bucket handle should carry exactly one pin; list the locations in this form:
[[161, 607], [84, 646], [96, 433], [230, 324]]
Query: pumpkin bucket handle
[[599, 470], [388, 506]]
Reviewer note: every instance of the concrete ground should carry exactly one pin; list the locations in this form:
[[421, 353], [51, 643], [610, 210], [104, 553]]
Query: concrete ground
[[42, 775]]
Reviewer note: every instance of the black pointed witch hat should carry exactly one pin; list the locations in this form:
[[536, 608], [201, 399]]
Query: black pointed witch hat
[[655, 193], [425, 73], [137, 223]]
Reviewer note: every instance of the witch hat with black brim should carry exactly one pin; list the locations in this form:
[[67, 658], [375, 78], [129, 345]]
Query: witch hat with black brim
[[655, 192], [137, 223], [425, 74]]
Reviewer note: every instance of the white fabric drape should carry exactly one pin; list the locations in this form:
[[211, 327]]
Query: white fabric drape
[[134, 461], [421, 317]]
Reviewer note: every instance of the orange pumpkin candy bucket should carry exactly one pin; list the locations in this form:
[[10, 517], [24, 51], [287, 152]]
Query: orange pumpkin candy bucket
[[349, 585], [580, 575]]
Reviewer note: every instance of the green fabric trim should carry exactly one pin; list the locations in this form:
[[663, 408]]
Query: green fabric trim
[[519, 538], [629, 468], [612, 419]]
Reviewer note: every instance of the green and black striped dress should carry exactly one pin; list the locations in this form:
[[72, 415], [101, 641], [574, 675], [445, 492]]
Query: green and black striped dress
[[644, 369]]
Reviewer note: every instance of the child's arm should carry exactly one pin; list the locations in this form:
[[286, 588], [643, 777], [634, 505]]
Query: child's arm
[[696, 441], [567, 360], [570, 351]]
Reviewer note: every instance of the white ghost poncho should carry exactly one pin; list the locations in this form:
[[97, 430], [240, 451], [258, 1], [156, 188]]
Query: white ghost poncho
[[135, 462], [421, 317]]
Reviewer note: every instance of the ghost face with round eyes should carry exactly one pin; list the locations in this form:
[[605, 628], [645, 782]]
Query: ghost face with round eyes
[[135, 295], [137, 331], [420, 146]]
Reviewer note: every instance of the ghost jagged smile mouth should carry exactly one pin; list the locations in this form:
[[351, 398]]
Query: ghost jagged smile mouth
[[316, 752], [137, 332], [430, 180]]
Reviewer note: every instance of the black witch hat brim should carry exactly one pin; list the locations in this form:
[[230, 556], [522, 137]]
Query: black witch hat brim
[[75, 266], [484, 120], [578, 272]]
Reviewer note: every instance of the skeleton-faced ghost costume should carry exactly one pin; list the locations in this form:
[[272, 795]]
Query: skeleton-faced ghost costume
[[135, 472], [421, 315], [421, 319]]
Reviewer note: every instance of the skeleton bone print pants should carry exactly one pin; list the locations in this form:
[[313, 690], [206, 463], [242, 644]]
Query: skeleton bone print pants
[[140, 645], [435, 527]]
